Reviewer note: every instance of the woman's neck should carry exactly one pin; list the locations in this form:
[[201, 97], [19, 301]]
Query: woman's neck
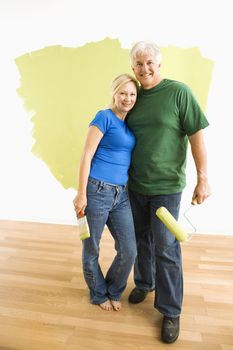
[[120, 115]]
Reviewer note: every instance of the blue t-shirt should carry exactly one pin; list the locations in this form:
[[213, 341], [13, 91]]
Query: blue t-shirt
[[113, 155]]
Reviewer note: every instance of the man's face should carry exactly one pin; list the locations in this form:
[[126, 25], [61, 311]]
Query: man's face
[[146, 70]]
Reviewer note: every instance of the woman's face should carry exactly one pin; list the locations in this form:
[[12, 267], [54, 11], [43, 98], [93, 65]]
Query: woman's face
[[125, 97]]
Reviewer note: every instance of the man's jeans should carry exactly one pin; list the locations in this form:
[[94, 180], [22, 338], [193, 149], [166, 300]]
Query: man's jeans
[[159, 262], [108, 204]]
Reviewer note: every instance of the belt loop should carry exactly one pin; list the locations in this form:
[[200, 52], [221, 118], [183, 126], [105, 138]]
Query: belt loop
[[101, 185]]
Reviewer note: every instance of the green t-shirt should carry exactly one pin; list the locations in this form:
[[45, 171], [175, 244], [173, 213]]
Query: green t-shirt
[[162, 119]]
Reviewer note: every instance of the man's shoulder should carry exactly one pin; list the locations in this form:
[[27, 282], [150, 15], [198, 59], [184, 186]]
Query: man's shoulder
[[176, 84], [178, 88]]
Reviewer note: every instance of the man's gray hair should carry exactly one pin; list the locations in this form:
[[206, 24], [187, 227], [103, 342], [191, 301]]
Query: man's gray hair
[[145, 47]]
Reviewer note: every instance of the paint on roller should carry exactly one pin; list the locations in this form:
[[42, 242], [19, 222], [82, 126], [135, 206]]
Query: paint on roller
[[176, 229], [64, 87], [83, 228], [169, 221]]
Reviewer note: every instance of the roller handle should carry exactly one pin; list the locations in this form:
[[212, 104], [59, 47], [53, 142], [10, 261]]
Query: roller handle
[[194, 201]]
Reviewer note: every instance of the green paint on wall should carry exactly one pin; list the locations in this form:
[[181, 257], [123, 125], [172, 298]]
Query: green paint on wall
[[190, 67], [64, 87]]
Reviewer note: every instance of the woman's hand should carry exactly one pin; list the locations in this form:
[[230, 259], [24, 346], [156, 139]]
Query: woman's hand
[[80, 203]]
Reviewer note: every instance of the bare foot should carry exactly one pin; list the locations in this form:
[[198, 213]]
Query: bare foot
[[107, 306], [116, 304]]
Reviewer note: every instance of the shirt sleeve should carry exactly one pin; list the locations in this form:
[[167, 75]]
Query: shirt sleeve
[[191, 115], [101, 121]]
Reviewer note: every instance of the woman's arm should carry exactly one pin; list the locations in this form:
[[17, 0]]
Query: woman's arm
[[93, 139], [202, 189]]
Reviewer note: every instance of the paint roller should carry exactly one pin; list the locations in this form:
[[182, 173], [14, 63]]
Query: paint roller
[[83, 228], [173, 226]]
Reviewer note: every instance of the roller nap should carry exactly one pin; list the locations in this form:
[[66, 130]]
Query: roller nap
[[83, 228], [169, 221]]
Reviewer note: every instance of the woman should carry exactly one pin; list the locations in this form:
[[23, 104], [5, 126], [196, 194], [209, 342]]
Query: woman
[[102, 195]]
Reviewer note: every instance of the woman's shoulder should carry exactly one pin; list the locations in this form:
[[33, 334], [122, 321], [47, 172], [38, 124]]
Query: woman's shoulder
[[103, 119], [104, 115]]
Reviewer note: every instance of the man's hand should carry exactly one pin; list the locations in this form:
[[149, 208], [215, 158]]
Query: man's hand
[[201, 192]]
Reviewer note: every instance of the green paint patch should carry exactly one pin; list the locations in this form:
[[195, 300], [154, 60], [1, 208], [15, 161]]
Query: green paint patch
[[64, 87], [190, 67]]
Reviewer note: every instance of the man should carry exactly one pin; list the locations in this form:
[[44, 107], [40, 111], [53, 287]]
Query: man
[[166, 116]]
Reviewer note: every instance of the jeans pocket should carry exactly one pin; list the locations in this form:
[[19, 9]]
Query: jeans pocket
[[92, 187]]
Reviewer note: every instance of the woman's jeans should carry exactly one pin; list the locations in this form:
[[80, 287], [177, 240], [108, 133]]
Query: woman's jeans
[[159, 262], [108, 204]]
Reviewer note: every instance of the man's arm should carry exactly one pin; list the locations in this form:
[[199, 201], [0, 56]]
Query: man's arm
[[202, 189]]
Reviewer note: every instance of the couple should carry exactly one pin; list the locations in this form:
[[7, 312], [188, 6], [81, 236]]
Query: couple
[[148, 153]]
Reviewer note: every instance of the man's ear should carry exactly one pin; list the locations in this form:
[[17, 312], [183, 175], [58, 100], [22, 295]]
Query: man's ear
[[132, 68]]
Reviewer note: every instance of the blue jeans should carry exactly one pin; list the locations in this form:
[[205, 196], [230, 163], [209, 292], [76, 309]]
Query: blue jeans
[[108, 204], [158, 264]]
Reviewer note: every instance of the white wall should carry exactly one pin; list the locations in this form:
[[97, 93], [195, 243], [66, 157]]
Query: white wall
[[28, 191]]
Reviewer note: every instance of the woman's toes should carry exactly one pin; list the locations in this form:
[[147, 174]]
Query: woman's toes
[[116, 304], [107, 306]]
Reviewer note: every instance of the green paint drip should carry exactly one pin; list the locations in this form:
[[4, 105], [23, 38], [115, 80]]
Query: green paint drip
[[65, 87]]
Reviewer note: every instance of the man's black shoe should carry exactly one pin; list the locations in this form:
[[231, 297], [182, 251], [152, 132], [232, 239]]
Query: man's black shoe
[[170, 329], [137, 295]]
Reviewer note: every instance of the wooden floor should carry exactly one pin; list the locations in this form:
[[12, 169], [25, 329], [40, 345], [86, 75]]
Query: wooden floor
[[44, 300]]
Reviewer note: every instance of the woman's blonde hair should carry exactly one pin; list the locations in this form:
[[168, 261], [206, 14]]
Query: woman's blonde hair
[[118, 82]]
